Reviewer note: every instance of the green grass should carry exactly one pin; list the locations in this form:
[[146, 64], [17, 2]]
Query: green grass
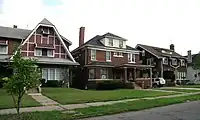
[[102, 110], [69, 95], [7, 102], [180, 90], [190, 86]]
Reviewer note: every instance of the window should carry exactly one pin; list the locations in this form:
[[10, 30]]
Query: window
[[165, 60], [174, 61], [52, 74], [3, 49], [131, 57], [182, 62], [181, 75], [149, 61], [44, 52], [104, 73], [120, 43], [118, 54], [91, 73], [93, 54], [110, 42], [108, 56]]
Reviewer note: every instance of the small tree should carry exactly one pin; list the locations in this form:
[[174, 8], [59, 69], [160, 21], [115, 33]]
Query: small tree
[[25, 76]]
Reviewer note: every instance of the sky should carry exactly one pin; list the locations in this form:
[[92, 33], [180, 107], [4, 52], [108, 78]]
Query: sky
[[151, 22]]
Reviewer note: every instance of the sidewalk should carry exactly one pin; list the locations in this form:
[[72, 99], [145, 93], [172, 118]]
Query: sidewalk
[[59, 107]]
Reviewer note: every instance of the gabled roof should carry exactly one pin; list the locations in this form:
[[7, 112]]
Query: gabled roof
[[113, 36], [157, 51], [17, 33], [96, 41], [46, 22]]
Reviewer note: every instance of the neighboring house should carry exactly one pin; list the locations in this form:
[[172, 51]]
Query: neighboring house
[[107, 57], [167, 63], [192, 74], [44, 43]]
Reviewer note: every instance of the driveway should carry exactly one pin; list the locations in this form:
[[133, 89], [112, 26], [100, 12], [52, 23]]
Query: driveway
[[184, 111]]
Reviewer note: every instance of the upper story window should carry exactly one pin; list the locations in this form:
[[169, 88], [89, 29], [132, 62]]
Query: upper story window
[[108, 56], [131, 57], [3, 49], [165, 60], [118, 54], [174, 61], [149, 61], [44, 52], [110, 42], [182, 62], [120, 44], [93, 54]]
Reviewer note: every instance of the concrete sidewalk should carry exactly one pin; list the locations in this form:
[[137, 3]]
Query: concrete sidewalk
[[59, 107]]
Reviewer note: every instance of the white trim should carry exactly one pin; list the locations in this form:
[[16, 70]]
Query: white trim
[[57, 35], [114, 50], [103, 48]]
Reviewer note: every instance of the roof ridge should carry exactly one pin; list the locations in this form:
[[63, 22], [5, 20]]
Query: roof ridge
[[15, 28]]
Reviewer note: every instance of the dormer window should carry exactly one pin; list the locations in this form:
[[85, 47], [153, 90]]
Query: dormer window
[[120, 44], [44, 52], [165, 61], [174, 61], [182, 62], [110, 42]]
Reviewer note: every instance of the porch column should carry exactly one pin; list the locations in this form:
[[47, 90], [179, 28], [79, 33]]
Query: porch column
[[134, 73], [125, 74], [151, 77]]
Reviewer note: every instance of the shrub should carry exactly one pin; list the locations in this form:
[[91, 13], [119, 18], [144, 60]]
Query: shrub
[[51, 83], [110, 85]]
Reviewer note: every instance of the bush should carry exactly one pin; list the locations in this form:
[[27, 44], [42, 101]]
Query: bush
[[110, 85], [51, 83]]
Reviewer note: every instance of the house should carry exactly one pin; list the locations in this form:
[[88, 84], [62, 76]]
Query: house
[[106, 58], [44, 43], [192, 73], [167, 63]]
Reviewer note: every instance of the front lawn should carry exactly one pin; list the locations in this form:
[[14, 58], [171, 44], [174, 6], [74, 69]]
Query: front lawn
[[70, 95], [6, 100], [180, 90], [102, 110]]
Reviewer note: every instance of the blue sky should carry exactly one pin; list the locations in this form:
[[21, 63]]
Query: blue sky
[[152, 22]]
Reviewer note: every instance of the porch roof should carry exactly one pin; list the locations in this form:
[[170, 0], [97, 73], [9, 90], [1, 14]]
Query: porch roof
[[134, 66], [99, 64]]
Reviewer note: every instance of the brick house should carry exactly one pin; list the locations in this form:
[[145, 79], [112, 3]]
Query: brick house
[[167, 63], [107, 57], [44, 43]]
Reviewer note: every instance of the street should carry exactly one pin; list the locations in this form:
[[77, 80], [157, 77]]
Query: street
[[184, 111]]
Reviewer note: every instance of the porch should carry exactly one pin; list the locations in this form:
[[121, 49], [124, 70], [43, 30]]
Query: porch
[[127, 73]]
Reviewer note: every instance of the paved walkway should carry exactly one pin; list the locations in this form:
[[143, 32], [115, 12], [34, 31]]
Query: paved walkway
[[84, 105], [43, 100], [180, 88]]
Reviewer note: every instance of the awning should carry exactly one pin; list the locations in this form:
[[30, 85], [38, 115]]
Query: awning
[[134, 66]]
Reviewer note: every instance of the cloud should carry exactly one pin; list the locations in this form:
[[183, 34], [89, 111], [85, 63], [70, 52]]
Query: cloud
[[1, 5], [52, 2]]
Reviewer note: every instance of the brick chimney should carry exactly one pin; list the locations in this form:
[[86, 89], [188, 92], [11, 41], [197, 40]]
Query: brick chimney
[[14, 26], [81, 36], [189, 56], [172, 47]]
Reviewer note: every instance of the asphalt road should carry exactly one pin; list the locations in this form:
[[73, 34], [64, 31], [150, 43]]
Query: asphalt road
[[184, 111]]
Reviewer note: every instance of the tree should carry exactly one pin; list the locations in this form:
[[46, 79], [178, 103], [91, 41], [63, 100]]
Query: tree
[[25, 76], [196, 64]]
